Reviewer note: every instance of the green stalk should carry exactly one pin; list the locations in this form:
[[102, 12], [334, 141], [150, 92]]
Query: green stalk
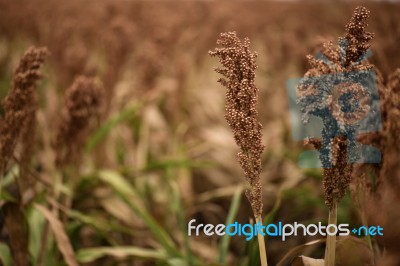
[[233, 211]]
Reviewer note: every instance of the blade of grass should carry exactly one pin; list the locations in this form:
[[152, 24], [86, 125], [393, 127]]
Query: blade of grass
[[101, 226], [271, 214], [9, 177], [233, 210], [157, 165], [105, 129], [182, 224], [91, 254], [222, 192], [127, 192], [63, 242], [36, 223], [5, 255], [254, 254], [295, 251], [177, 262]]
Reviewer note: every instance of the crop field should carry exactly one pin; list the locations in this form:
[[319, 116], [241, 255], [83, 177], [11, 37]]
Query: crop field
[[117, 141]]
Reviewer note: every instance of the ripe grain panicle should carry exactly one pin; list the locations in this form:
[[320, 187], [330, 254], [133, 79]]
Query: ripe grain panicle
[[241, 108], [84, 102], [20, 104], [348, 56]]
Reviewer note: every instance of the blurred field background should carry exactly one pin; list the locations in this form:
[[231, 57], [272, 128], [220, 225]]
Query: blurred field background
[[162, 154]]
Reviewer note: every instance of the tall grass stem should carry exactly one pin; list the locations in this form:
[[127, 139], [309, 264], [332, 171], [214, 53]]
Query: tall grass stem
[[330, 250], [261, 245]]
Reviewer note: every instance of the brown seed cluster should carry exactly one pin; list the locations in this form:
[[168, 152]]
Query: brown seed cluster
[[21, 102], [389, 174], [338, 177], [353, 45], [358, 40], [84, 103], [241, 108], [381, 195], [391, 126], [359, 97], [356, 43]]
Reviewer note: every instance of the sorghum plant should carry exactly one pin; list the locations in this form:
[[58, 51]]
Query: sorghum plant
[[242, 116], [380, 193], [20, 107], [337, 137], [21, 102], [84, 103]]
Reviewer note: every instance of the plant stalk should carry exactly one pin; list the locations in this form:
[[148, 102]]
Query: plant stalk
[[261, 245], [330, 249]]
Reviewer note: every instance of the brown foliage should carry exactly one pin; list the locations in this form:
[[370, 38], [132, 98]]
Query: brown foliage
[[383, 199]]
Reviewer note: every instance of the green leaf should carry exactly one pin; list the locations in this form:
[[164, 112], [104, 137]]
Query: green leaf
[[104, 130], [157, 165], [102, 226], [92, 254], [127, 193], [9, 177], [36, 222], [233, 210], [271, 215], [177, 262], [179, 210], [89, 220], [117, 182], [4, 195], [62, 240], [5, 255]]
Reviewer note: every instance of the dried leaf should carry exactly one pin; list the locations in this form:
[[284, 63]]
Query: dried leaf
[[293, 252], [353, 251], [61, 237], [120, 210], [306, 261], [92, 254]]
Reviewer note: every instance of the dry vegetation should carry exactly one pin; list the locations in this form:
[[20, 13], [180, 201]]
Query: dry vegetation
[[113, 136]]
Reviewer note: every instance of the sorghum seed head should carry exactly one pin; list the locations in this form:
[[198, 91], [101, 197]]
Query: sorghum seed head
[[21, 102], [84, 102], [347, 57], [241, 108]]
